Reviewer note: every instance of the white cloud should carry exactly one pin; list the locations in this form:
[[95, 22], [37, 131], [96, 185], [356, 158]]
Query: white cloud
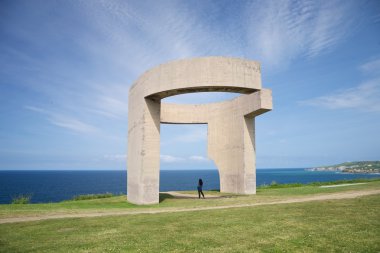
[[171, 159], [364, 97], [199, 158]]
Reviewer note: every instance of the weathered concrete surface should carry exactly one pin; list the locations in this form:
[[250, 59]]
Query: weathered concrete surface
[[231, 142]]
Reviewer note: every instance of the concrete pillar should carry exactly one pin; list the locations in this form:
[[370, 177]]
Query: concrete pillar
[[144, 154], [231, 145]]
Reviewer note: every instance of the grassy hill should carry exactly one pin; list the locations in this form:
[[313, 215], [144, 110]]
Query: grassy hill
[[352, 167]]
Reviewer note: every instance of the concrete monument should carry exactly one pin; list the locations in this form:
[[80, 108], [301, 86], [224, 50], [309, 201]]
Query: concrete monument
[[231, 127]]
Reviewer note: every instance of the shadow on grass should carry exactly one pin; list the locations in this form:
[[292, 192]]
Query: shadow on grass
[[164, 196], [191, 195]]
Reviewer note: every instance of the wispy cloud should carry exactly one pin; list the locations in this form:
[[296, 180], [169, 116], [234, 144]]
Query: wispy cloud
[[371, 67], [365, 97], [114, 42], [119, 40], [177, 159], [138, 37], [64, 121], [77, 67], [116, 157], [72, 124], [199, 158], [171, 159], [110, 100], [280, 31]]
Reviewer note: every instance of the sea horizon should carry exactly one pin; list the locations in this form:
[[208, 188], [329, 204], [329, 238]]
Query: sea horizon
[[58, 185], [279, 168]]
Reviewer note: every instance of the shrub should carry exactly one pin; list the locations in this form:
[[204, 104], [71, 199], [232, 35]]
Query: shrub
[[22, 199], [273, 183]]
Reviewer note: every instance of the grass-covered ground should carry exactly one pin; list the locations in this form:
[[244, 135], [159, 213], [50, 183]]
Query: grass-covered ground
[[117, 203], [350, 225]]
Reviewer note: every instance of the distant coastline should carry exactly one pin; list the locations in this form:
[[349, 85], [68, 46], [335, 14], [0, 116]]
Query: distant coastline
[[362, 167]]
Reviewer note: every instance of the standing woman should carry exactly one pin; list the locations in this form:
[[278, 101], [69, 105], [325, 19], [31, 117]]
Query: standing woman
[[200, 185]]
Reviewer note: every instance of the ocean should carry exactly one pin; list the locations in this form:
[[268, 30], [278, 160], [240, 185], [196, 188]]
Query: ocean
[[55, 186]]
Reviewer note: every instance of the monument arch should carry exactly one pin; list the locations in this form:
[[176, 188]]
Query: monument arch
[[231, 133]]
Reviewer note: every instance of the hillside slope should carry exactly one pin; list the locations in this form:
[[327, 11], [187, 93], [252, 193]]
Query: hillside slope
[[352, 167]]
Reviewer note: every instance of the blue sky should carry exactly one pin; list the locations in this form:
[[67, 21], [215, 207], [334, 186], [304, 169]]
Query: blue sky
[[66, 68]]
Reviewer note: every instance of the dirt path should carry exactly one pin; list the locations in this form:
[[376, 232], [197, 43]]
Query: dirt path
[[338, 185], [332, 196], [179, 195]]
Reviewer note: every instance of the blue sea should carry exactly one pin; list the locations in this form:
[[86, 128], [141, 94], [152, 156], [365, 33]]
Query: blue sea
[[54, 186]]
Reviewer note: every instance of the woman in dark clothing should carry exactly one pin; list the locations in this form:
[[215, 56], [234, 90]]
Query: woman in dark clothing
[[200, 185]]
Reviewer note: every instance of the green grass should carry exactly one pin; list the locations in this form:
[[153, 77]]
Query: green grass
[[324, 226], [93, 196], [274, 184], [119, 203]]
